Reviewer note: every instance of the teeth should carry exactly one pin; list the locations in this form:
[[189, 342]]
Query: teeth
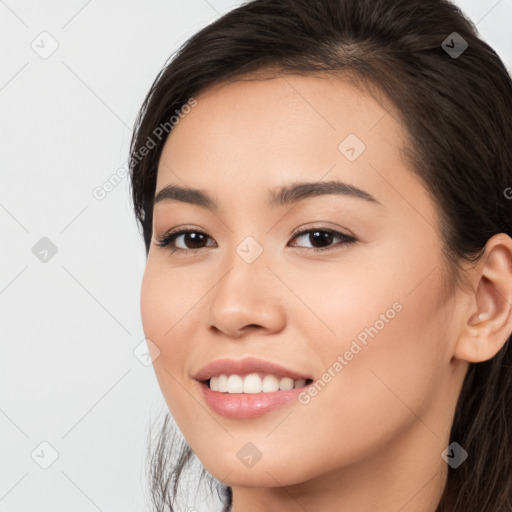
[[299, 383], [235, 384], [253, 383], [269, 384], [285, 384]]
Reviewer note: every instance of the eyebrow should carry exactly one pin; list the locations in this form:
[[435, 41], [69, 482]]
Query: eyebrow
[[279, 197]]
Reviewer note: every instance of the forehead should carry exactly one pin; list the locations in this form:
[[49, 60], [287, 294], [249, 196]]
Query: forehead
[[253, 135], [257, 123], [276, 109]]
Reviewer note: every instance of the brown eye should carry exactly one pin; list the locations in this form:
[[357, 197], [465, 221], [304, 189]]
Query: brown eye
[[322, 239], [192, 240]]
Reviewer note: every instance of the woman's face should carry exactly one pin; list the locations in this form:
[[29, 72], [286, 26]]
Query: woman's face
[[367, 317]]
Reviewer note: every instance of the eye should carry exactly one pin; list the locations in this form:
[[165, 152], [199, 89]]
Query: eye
[[194, 237], [193, 240], [323, 237]]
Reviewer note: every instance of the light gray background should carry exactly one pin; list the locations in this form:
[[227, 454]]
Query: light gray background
[[69, 325]]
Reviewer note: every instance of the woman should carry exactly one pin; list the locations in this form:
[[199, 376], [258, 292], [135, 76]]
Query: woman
[[324, 193]]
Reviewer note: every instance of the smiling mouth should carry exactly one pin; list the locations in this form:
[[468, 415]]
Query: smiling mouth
[[253, 383]]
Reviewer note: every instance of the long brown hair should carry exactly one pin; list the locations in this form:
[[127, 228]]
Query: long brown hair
[[453, 94]]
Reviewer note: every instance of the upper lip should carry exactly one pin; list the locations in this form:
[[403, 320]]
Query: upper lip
[[243, 366]]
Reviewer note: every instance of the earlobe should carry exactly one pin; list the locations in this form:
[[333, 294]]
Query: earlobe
[[489, 319]]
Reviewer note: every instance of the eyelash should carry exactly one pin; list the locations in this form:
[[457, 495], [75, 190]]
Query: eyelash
[[171, 236]]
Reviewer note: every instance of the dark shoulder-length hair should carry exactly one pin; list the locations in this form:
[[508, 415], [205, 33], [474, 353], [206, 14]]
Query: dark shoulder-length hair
[[453, 94]]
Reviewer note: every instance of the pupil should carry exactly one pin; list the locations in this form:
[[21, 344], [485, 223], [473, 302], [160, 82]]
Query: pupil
[[195, 238], [321, 236]]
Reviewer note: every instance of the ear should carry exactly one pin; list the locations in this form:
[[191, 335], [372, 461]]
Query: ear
[[488, 320]]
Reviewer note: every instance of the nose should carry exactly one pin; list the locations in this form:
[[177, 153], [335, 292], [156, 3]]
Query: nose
[[247, 298]]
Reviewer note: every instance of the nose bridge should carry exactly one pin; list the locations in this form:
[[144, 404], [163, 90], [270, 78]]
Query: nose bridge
[[246, 295], [247, 274]]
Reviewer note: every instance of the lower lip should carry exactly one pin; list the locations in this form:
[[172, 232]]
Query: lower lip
[[247, 405]]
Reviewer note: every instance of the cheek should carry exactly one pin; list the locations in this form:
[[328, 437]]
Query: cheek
[[387, 325], [390, 298], [152, 306], [166, 300], [159, 315], [395, 357]]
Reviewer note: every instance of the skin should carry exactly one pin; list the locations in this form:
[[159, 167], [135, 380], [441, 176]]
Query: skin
[[372, 438]]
